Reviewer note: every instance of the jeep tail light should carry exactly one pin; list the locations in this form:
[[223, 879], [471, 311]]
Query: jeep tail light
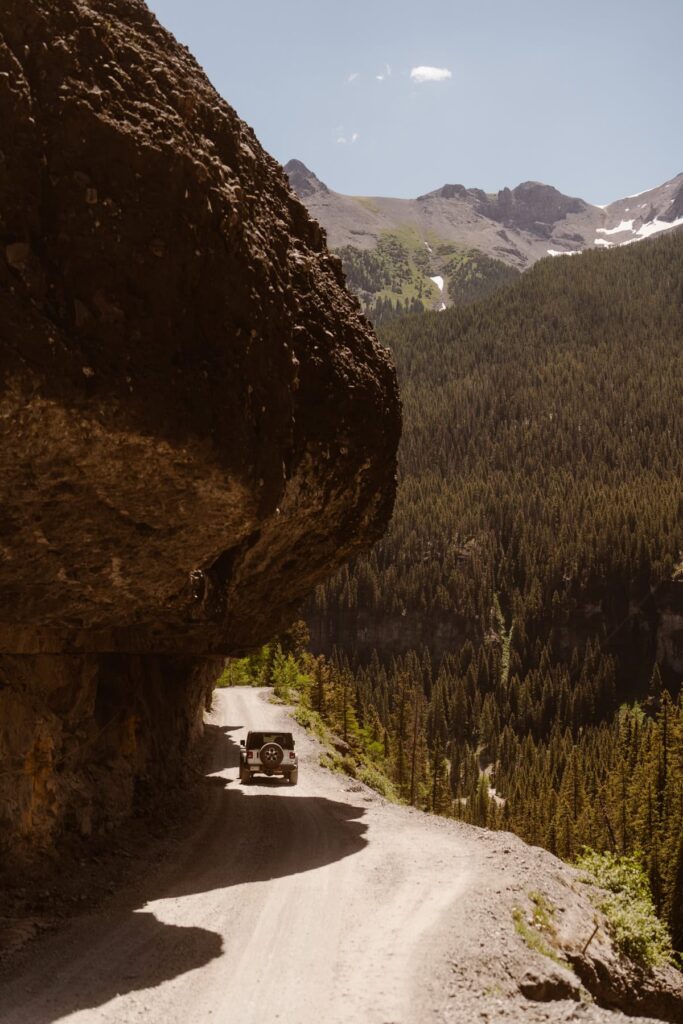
[[291, 755], [250, 754]]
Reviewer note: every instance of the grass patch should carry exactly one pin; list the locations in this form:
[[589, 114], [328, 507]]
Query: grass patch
[[357, 764], [310, 721], [627, 904], [367, 202], [376, 780], [339, 763], [396, 270], [543, 914], [537, 927]]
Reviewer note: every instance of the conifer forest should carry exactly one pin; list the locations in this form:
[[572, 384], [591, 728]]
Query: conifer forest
[[511, 653]]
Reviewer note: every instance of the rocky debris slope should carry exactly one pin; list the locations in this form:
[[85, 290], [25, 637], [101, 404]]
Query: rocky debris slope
[[197, 424], [538, 948]]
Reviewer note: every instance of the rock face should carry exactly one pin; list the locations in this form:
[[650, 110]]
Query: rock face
[[197, 423], [83, 739], [531, 207], [552, 983], [669, 633], [655, 631], [303, 181]]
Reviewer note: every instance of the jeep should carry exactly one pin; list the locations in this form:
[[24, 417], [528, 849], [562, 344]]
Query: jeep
[[269, 753]]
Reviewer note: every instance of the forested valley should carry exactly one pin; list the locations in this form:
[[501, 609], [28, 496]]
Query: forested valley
[[513, 648], [511, 653]]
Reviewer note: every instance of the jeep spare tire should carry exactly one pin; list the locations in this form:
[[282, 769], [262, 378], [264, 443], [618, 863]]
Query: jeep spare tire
[[271, 755]]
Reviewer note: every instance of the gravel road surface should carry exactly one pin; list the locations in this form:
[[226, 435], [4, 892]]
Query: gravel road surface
[[311, 903]]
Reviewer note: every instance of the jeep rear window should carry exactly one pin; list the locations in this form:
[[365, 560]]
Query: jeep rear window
[[255, 740]]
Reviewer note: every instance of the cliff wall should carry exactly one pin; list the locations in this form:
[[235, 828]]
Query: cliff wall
[[196, 423]]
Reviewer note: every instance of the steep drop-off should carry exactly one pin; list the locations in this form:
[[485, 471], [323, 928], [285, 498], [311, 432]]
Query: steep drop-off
[[529, 593], [540, 465], [197, 424]]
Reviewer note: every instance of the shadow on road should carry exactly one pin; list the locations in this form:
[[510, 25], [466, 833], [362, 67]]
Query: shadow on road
[[270, 833], [222, 751]]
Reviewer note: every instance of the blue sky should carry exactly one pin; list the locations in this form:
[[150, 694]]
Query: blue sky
[[586, 96]]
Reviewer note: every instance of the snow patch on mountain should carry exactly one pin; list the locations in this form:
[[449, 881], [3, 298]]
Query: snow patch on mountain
[[438, 281], [646, 230], [626, 225], [653, 227]]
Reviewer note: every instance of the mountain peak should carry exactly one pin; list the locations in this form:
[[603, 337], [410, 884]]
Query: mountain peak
[[303, 180], [516, 225], [531, 205]]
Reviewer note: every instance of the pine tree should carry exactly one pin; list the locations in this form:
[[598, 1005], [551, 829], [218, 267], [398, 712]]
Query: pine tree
[[676, 913]]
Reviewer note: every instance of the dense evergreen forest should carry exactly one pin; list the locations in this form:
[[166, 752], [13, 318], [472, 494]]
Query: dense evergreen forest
[[471, 275], [510, 647]]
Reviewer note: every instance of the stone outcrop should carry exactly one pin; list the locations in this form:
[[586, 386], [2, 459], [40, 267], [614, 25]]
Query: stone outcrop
[[531, 206], [196, 422], [85, 739], [304, 182]]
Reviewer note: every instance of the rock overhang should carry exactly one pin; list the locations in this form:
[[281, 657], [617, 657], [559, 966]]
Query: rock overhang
[[198, 424]]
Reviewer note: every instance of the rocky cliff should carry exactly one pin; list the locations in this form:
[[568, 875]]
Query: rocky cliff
[[197, 424]]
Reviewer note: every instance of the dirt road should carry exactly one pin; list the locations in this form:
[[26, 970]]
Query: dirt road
[[307, 903], [317, 903]]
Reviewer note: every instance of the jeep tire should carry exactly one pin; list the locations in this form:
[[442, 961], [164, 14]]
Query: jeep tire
[[271, 755]]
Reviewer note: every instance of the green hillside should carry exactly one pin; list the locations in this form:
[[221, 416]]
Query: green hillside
[[394, 278], [537, 540]]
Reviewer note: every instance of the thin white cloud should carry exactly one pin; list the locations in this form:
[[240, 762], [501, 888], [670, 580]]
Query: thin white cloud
[[353, 76], [343, 138], [425, 73], [384, 74]]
